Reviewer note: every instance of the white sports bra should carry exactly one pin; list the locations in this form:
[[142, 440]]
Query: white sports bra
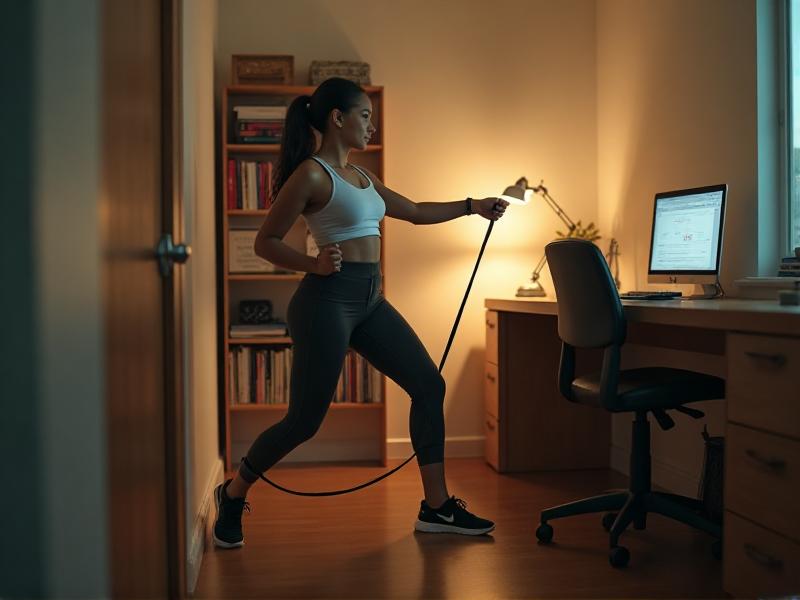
[[351, 211]]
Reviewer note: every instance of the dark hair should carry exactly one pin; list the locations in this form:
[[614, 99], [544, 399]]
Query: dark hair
[[306, 112]]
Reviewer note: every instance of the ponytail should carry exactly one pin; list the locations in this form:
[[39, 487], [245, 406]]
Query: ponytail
[[305, 114], [298, 141]]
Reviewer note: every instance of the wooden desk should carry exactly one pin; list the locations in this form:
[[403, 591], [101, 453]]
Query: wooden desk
[[758, 344]]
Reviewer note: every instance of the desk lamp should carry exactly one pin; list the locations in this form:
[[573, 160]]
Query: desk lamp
[[520, 194]]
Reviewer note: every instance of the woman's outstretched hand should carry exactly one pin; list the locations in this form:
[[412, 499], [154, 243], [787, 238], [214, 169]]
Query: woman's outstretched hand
[[329, 260], [490, 208]]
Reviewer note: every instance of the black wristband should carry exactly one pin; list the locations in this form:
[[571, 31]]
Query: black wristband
[[469, 206]]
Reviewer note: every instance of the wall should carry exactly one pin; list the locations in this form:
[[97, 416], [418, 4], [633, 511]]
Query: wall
[[204, 467], [676, 108], [477, 94], [55, 543]]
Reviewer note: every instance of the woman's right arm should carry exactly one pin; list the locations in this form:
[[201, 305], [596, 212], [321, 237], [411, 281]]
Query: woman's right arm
[[287, 207]]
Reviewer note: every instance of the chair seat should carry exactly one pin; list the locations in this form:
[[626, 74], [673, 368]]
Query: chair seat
[[652, 387]]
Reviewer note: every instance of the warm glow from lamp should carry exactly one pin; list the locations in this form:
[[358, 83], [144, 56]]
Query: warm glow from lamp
[[520, 193]]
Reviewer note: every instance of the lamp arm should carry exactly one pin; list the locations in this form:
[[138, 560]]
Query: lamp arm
[[558, 210], [539, 266], [540, 189]]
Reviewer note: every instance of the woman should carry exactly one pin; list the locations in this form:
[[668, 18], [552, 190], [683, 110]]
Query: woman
[[339, 303]]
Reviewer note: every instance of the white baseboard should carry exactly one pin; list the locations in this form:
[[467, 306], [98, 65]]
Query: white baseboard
[[454, 447], [197, 546], [664, 475]]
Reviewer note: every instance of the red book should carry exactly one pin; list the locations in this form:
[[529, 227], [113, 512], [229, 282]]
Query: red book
[[231, 184], [268, 202]]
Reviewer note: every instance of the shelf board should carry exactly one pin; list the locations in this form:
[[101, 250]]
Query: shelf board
[[261, 341], [274, 148], [282, 407], [288, 90], [246, 213], [265, 276]]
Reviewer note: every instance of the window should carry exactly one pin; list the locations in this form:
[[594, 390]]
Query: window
[[793, 114]]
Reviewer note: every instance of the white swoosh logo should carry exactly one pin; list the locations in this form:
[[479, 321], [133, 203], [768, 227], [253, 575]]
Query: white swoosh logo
[[449, 519]]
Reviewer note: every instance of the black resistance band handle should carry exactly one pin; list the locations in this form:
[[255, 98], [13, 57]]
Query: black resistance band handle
[[441, 366]]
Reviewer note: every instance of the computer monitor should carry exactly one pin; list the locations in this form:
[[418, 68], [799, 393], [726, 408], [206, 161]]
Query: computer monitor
[[686, 240]]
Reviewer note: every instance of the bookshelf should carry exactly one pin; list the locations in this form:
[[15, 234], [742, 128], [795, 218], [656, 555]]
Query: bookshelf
[[352, 431]]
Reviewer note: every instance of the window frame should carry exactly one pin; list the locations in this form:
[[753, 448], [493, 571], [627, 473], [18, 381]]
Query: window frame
[[786, 123]]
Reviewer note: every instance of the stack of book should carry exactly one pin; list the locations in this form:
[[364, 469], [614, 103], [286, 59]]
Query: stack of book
[[259, 124], [359, 381], [258, 375], [261, 375], [789, 266], [263, 329], [249, 184]]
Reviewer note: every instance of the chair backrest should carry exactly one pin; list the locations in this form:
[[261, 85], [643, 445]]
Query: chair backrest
[[589, 309]]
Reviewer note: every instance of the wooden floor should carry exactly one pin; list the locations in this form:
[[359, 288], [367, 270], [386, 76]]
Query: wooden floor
[[363, 545]]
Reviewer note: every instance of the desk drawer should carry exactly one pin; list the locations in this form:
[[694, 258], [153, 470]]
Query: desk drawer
[[762, 479], [490, 390], [492, 447], [491, 336], [757, 562], [762, 382]]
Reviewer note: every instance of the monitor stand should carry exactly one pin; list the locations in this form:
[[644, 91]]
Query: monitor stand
[[710, 291]]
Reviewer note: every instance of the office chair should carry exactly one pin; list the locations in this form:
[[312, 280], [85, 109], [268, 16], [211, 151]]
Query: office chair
[[590, 316]]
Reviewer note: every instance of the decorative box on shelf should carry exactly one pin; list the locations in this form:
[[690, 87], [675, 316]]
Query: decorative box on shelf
[[320, 70], [260, 69]]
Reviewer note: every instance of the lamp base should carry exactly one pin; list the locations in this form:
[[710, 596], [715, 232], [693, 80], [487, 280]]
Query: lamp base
[[530, 289]]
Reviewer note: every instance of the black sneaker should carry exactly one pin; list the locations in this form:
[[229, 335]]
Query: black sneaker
[[228, 527], [451, 517]]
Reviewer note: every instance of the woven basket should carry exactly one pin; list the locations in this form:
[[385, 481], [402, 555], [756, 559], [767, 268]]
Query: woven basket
[[320, 70]]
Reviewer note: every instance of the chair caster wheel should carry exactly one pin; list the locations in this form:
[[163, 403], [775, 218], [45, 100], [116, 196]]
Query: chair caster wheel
[[619, 557], [716, 549], [608, 520], [544, 533]]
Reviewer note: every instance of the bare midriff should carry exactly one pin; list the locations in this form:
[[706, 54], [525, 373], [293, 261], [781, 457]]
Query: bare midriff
[[363, 249]]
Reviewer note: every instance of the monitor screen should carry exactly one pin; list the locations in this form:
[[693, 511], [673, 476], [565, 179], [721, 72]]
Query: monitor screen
[[687, 231]]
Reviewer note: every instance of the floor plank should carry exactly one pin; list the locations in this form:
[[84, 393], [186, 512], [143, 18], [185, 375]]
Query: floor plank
[[362, 545]]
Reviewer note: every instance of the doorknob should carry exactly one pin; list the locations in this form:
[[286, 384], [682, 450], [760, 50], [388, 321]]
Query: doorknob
[[168, 253]]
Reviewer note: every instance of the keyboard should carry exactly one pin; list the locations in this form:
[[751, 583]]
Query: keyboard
[[650, 295]]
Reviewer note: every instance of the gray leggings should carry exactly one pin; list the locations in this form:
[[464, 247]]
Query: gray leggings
[[326, 315]]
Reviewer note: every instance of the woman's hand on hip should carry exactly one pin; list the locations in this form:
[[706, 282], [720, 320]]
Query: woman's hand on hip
[[329, 260], [490, 208]]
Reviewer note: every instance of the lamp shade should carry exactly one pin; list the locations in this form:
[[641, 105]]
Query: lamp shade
[[519, 193]]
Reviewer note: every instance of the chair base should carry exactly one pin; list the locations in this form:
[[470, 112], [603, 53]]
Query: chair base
[[633, 508]]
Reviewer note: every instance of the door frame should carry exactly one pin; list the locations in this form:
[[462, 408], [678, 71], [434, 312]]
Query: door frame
[[172, 206]]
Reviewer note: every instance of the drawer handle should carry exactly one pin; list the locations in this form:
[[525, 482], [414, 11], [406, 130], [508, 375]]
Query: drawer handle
[[776, 360], [762, 558], [490, 425], [490, 325], [774, 464], [490, 377]]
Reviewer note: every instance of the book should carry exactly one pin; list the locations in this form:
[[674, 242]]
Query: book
[[231, 184], [260, 112], [265, 329], [241, 253]]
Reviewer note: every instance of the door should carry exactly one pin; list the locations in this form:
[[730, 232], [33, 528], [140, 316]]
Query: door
[[140, 203]]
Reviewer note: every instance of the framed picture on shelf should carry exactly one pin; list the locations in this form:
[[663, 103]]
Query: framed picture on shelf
[[241, 255]]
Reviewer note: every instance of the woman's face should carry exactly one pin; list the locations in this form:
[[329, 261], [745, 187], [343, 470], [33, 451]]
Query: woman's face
[[356, 124]]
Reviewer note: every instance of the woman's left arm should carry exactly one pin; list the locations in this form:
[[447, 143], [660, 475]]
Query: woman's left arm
[[428, 213]]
